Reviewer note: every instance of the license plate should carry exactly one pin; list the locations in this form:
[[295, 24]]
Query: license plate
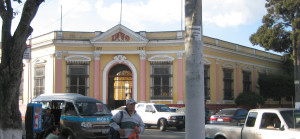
[[105, 131], [220, 119]]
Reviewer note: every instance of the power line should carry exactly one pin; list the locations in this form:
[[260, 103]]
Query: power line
[[72, 8], [60, 18]]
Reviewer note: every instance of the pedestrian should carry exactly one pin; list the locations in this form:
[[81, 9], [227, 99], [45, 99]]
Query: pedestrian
[[48, 119], [128, 121], [63, 134], [52, 132]]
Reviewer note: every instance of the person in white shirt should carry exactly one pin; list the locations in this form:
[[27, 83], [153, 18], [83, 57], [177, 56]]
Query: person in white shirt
[[127, 122]]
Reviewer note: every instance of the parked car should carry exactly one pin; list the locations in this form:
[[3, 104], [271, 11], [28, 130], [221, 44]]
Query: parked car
[[113, 112], [160, 115], [174, 109], [260, 125], [232, 116], [181, 110], [207, 113]]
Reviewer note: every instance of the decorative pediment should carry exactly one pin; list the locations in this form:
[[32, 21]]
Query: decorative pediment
[[161, 58], [247, 68], [206, 62], [262, 70], [119, 33], [39, 61], [228, 65], [78, 59]]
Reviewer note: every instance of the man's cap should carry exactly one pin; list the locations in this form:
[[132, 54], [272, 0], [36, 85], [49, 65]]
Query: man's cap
[[130, 101]]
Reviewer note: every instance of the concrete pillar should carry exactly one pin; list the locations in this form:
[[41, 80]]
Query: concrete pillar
[[179, 78], [97, 75], [58, 73], [143, 77]]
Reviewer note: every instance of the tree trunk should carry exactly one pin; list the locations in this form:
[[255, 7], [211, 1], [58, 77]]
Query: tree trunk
[[11, 66]]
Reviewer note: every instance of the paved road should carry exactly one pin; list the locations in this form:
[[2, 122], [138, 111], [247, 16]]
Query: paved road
[[154, 133], [170, 133]]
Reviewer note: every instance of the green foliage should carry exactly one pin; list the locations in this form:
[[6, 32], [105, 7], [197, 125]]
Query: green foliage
[[280, 29], [289, 66], [272, 38], [276, 86], [249, 100]]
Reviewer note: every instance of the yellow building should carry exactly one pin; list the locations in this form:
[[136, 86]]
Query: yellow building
[[147, 66]]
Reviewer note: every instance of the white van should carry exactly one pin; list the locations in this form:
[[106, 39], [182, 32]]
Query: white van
[[74, 113]]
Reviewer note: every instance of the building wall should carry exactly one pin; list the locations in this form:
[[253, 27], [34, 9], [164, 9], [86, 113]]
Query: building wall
[[50, 48]]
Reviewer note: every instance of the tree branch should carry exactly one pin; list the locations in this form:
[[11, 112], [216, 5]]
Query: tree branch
[[2, 9], [29, 11], [8, 5]]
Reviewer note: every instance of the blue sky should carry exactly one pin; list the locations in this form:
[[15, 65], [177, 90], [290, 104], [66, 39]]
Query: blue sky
[[229, 20]]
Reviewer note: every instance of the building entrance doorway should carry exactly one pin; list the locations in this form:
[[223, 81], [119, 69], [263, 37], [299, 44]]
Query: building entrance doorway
[[119, 86]]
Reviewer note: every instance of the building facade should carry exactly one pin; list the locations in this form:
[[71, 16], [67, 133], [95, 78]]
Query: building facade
[[146, 66]]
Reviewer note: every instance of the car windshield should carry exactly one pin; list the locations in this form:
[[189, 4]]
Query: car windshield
[[91, 109], [181, 110], [121, 108], [292, 118], [226, 112], [162, 108]]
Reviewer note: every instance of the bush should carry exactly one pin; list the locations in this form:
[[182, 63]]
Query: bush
[[249, 100]]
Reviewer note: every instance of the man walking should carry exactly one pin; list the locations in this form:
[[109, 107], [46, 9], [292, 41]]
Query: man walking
[[48, 119], [127, 122]]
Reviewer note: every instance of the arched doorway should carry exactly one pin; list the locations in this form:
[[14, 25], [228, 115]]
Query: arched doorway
[[119, 85]]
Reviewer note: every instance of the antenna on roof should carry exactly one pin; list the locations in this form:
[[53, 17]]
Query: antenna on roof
[[121, 13]]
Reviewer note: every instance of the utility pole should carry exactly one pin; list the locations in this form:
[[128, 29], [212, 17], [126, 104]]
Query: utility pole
[[296, 76], [194, 71]]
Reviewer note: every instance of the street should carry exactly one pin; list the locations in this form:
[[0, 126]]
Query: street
[[170, 133], [153, 132]]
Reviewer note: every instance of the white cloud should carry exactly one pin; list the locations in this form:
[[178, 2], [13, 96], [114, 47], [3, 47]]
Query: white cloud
[[144, 14], [141, 12], [76, 8], [223, 13], [226, 13]]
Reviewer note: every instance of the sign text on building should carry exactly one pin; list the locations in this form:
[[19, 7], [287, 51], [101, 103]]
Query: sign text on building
[[120, 37]]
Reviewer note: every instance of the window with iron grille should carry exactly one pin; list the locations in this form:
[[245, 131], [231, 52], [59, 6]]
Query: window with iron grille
[[77, 79], [206, 82], [161, 80], [246, 81], [39, 80], [228, 84]]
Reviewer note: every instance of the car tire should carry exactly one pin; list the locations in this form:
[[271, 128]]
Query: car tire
[[179, 128], [70, 135], [148, 126], [221, 137], [162, 124]]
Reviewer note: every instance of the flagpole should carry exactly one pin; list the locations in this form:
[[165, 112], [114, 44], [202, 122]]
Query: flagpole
[[121, 13], [60, 17], [181, 18]]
